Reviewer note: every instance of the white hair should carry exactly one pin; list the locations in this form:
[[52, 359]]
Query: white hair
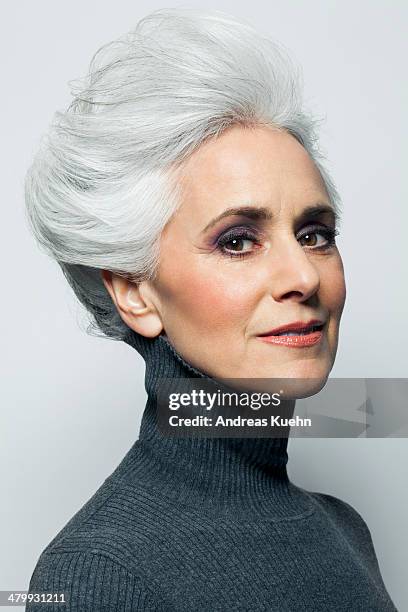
[[100, 191]]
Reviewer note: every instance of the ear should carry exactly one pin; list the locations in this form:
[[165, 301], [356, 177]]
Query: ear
[[134, 304]]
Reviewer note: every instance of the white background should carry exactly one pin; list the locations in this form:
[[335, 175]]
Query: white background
[[71, 404]]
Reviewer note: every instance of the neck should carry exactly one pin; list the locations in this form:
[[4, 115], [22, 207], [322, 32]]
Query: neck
[[236, 473]]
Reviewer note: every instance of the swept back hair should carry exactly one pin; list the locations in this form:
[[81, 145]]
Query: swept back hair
[[102, 185]]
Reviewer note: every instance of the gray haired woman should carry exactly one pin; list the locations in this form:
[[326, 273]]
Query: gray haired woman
[[184, 197]]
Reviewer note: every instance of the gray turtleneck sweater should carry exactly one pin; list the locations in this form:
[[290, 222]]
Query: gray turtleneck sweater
[[207, 525]]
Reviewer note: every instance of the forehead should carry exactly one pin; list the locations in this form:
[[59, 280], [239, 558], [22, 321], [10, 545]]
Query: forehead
[[249, 166]]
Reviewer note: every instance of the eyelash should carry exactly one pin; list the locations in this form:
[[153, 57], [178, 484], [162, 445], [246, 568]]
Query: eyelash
[[243, 233]]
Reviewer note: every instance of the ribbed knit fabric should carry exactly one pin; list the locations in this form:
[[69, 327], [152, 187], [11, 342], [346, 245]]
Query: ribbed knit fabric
[[207, 525]]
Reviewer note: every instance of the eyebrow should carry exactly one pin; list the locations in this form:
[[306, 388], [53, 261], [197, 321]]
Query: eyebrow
[[262, 213]]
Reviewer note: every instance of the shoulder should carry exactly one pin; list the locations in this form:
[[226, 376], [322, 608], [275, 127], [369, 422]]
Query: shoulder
[[336, 506], [112, 522], [86, 581], [98, 559], [343, 515]]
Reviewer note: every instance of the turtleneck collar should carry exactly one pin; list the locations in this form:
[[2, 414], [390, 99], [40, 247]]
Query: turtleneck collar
[[237, 474]]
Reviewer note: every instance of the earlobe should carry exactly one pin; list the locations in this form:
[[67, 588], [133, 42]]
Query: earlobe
[[134, 307]]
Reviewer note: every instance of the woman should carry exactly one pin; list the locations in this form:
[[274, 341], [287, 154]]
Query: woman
[[184, 197]]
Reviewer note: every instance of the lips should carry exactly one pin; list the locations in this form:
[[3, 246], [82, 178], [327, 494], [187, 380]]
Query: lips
[[297, 334], [296, 326]]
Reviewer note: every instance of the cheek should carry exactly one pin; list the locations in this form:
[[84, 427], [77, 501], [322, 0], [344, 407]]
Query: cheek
[[212, 296], [333, 286]]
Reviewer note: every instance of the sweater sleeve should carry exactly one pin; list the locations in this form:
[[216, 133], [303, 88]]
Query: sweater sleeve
[[87, 582]]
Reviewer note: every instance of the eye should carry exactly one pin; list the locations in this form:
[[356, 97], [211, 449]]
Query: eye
[[237, 243], [318, 237]]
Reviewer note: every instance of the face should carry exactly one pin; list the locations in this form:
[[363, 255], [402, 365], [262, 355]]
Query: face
[[250, 250]]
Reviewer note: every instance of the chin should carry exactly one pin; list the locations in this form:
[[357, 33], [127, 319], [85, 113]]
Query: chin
[[306, 378], [299, 379]]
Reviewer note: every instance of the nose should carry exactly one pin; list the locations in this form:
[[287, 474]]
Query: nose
[[293, 275]]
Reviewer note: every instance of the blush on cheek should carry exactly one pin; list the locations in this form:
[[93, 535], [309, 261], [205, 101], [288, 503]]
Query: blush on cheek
[[215, 302], [207, 301]]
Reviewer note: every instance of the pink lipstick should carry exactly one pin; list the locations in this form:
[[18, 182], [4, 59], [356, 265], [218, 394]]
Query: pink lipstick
[[295, 335]]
